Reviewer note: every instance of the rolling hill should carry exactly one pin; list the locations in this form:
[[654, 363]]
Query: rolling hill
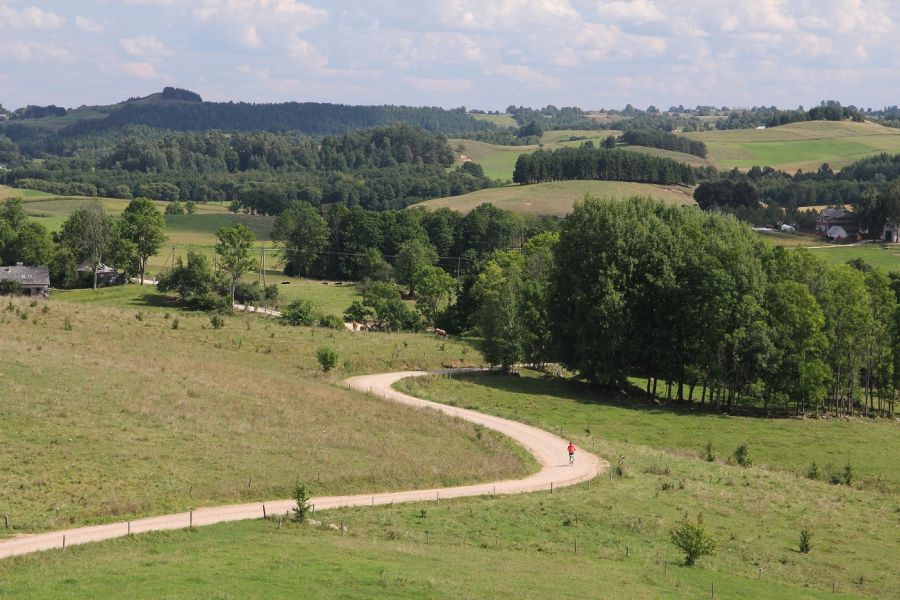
[[556, 198], [798, 145]]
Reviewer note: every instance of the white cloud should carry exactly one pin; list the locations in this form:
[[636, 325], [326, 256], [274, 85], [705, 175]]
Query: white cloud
[[442, 86], [638, 11], [527, 75], [88, 24], [140, 70], [506, 15], [143, 46], [30, 17], [45, 51]]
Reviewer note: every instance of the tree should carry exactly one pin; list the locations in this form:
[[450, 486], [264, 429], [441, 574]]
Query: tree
[[191, 279], [497, 290], [389, 310], [143, 225], [538, 260], [88, 232], [13, 212], [691, 538], [434, 289], [233, 249], [414, 255], [303, 234]]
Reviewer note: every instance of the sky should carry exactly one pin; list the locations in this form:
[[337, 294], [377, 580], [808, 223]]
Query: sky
[[484, 54]]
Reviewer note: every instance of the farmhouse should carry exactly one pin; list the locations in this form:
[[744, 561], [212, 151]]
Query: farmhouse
[[891, 232], [35, 281], [837, 224]]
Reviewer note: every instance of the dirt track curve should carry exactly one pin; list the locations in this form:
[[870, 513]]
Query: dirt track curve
[[548, 449]]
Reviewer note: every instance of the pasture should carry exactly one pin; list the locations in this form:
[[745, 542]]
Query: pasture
[[503, 120], [118, 412], [798, 145], [557, 197], [605, 539]]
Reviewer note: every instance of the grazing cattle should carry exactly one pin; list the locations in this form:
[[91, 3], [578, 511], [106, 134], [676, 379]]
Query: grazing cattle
[[440, 332]]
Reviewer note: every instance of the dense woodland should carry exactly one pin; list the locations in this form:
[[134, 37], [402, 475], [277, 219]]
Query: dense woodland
[[380, 168], [588, 162], [656, 138], [694, 299]]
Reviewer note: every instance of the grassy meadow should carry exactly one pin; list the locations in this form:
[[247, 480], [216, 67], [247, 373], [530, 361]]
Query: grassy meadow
[[605, 539], [117, 413], [557, 197], [798, 145]]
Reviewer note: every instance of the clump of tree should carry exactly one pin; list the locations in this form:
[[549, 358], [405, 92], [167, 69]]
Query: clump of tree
[[656, 138], [21, 239], [588, 162], [725, 193]]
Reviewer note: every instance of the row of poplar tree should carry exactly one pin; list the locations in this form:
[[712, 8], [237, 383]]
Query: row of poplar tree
[[639, 289]]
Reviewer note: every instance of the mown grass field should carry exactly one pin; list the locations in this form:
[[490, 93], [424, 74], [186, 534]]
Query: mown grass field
[[884, 256], [791, 444], [606, 539], [503, 120], [109, 413], [799, 145], [557, 197]]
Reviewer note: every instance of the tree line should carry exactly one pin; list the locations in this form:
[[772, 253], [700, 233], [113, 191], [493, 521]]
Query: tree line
[[696, 301], [588, 162], [381, 168], [656, 138]]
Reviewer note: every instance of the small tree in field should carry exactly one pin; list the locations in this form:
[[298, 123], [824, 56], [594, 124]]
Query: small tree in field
[[805, 540], [328, 358], [301, 495], [233, 248], [691, 538]]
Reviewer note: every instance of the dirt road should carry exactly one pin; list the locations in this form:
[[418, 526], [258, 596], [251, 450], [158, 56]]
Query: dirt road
[[548, 449]]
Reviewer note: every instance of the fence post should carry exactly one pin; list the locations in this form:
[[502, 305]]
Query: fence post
[[6, 521], [191, 519], [551, 487], [129, 527], [64, 542], [264, 511]]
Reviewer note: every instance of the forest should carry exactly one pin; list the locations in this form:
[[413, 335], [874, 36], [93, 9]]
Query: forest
[[588, 162]]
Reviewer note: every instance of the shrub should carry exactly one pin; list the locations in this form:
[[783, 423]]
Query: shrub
[[331, 322], [813, 471], [10, 288], [270, 292], [301, 495], [710, 455], [328, 358], [742, 456], [175, 208], [216, 321], [847, 474], [175, 323], [692, 539], [300, 312], [805, 540], [190, 207], [247, 293]]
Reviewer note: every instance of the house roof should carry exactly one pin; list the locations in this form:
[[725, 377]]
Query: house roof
[[26, 276], [836, 213]]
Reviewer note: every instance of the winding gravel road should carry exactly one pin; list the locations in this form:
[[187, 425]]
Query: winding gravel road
[[548, 449]]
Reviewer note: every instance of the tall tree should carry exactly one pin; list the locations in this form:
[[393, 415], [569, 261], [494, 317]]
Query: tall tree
[[143, 225], [413, 256], [88, 232], [303, 234], [434, 290], [497, 289], [233, 249]]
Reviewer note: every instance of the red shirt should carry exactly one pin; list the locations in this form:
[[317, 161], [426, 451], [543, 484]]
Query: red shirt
[[571, 449]]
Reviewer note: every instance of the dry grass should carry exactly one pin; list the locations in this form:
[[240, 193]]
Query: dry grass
[[557, 198], [105, 415]]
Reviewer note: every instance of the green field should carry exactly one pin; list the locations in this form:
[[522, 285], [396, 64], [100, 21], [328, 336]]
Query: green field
[[117, 414], [606, 539], [885, 256], [503, 120], [799, 145], [557, 197]]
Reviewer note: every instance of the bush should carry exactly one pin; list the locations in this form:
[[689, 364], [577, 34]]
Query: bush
[[300, 312], [692, 539], [175, 323], [247, 293], [331, 322], [270, 292], [710, 455], [175, 208], [216, 321], [328, 358], [10, 288], [812, 472], [805, 540], [190, 207], [847, 474], [301, 495], [742, 456]]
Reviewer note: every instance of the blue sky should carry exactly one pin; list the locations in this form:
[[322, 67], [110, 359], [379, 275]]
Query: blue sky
[[482, 54]]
